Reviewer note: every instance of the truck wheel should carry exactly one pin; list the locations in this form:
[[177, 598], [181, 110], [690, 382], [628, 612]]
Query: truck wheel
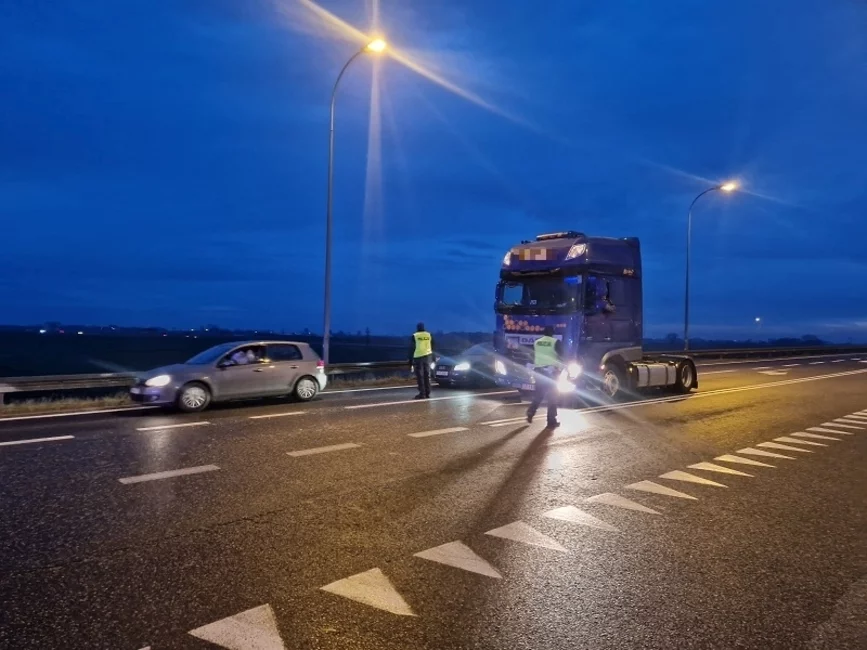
[[612, 382], [686, 377]]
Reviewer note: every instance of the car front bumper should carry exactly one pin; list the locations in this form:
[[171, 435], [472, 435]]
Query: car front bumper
[[153, 395]]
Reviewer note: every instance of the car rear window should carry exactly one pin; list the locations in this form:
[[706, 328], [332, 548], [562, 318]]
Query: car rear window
[[284, 353]]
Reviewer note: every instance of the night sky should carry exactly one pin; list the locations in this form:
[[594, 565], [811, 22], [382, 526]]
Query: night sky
[[164, 161]]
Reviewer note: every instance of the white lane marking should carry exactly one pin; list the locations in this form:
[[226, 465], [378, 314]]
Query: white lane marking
[[795, 441], [717, 372], [728, 458], [460, 556], [817, 363], [576, 516], [162, 427], [856, 416], [276, 415], [791, 365], [506, 424], [776, 445], [328, 391], [32, 440], [747, 361], [750, 451], [763, 368], [611, 499], [686, 477], [773, 372], [712, 467], [839, 361], [255, 629], [850, 421], [46, 416], [814, 436], [371, 588], [430, 399], [436, 432], [522, 532], [169, 474], [502, 421], [323, 450], [836, 432], [843, 426], [656, 488]]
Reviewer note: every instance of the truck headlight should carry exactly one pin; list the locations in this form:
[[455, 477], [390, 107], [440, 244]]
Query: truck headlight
[[159, 381], [463, 365], [574, 369], [500, 367], [563, 383]]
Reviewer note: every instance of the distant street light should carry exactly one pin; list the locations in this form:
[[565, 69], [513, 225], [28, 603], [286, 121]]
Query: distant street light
[[728, 186], [376, 46]]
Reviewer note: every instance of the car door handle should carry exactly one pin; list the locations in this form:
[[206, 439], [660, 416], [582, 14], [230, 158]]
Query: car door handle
[[294, 367]]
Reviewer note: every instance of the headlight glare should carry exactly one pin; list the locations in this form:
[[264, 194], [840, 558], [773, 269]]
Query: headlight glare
[[463, 365], [574, 369], [500, 367]]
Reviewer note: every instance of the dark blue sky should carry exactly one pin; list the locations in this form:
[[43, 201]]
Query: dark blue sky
[[163, 161]]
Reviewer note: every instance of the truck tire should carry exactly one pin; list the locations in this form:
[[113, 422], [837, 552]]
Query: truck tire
[[686, 377], [613, 381]]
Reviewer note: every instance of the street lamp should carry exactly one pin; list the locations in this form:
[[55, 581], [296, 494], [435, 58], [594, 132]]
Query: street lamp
[[727, 187], [376, 46]]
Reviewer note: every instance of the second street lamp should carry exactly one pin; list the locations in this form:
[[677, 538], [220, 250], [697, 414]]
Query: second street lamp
[[376, 46], [728, 186]]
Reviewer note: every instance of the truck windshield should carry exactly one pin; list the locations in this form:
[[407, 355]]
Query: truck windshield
[[539, 295]]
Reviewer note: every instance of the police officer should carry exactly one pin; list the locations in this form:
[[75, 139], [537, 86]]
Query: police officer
[[547, 364], [421, 356]]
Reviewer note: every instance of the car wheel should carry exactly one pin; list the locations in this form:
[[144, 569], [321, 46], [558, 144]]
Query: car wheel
[[612, 382], [306, 389], [686, 377], [193, 397]]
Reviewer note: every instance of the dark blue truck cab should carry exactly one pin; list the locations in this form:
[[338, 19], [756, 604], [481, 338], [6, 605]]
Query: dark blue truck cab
[[589, 289]]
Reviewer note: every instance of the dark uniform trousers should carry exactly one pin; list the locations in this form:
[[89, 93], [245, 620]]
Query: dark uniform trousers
[[546, 390], [421, 366]]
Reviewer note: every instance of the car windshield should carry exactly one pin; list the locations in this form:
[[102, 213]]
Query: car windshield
[[539, 295], [479, 350], [211, 354]]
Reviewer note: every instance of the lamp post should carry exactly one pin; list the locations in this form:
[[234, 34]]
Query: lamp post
[[376, 46], [729, 186]]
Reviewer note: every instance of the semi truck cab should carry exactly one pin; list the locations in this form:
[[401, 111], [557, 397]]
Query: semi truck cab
[[589, 289]]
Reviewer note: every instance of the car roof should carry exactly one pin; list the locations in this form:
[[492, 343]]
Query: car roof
[[242, 343]]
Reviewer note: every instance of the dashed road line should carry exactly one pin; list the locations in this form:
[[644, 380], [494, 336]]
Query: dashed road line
[[524, 533], [460, 556], [71, 414], [835, 432], [35, 440], [611, 499], [776, 445], [430, 399], [791, 365], [184, 425], [815, 436], [169, 474], [711, 467], [255, 629], [276, 415], [850, 421], [839, 361], [576, 516], [436, 432], [686, 477], [371, 588], [717, 372], [843, 426], [323, 450], [729, 458], [817, 363], [656, 488], [799, 442], [750, 451]]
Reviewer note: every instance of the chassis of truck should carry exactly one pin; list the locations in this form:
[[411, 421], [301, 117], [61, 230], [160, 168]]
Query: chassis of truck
[[589, 290]]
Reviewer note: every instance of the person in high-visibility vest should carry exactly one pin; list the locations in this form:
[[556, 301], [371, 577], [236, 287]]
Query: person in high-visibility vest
[[547, 364], [421, 357]]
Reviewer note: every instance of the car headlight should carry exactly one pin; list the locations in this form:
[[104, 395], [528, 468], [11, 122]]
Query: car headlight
[[463, 365], [158, 381], [574, 369], [500, 367]]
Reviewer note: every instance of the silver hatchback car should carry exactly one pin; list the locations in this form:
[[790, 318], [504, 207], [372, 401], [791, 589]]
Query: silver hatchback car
[[233, 371]]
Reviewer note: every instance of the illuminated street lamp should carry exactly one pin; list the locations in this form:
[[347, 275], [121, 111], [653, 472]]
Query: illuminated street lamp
[[376, 46], [727, 187]]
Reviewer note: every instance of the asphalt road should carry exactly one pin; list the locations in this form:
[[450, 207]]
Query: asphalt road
[[368, 520]]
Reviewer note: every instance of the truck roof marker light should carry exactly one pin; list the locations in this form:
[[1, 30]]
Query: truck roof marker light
[[577, 250]]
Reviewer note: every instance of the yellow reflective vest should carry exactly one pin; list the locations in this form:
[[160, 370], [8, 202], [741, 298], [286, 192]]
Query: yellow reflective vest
[[545, 352], [423, 347]]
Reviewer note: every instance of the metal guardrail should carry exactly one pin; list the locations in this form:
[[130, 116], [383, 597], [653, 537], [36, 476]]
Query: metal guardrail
[[57, 383]]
